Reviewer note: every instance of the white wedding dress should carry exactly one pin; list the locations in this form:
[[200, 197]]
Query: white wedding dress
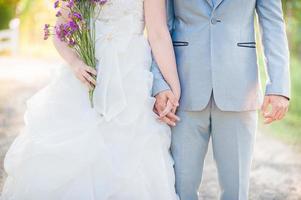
[[115, 151]]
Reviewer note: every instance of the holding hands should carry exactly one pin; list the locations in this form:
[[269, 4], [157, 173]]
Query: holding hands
[[166, 106]]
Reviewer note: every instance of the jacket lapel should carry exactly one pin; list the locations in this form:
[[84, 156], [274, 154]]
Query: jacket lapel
[[218, 2], [210, 3]]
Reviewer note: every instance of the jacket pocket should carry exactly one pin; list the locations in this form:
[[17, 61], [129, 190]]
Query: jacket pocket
[[180, 43], [247, 44]]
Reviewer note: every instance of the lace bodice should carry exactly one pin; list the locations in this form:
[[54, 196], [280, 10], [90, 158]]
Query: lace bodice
[[116, 9], [120, 17]]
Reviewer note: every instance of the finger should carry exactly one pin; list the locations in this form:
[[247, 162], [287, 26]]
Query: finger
[[173, 100], [268, 120], [168, 121], [91, 70], [166, 110], [280, 117], [156, 111], [174, 110], [85, 82], [175, 103], [88, 85], [160, 109], [173, 117], [273, 112], [89, 78], [160, 105], [279, 113]]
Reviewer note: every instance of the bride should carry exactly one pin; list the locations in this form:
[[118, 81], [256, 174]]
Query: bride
[[118, 150]]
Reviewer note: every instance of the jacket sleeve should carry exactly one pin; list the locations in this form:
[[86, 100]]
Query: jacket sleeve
[[275, 45], [159, 83]]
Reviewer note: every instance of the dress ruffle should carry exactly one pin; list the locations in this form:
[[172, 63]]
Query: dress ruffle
[[67, 150]]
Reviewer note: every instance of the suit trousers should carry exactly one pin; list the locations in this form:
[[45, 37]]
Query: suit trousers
[[232, 135]]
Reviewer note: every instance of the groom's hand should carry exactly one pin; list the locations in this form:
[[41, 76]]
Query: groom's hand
[[165, 105], [274, 108]]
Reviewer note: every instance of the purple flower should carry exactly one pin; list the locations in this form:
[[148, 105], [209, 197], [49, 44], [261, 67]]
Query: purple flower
[[46, 31], [77, 31], [101, 2], [70, 4], [77, 16], [71, 42], [58, 14], [61, 32], [73, 26], [46, 26], [57, 4], [46, 34]]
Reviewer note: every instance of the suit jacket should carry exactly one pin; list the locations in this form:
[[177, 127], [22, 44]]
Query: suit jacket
[[215, 50]]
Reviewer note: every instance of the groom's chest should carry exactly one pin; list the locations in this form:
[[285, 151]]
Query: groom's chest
[[207, 7]]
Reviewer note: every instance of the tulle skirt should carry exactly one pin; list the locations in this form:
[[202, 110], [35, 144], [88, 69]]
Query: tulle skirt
[[114, 151]]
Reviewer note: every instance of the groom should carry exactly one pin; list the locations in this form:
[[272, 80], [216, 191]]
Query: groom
[[215, 47]]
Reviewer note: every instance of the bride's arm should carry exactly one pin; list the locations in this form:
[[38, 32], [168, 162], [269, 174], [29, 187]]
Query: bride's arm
[[161, 43], [81, 70]]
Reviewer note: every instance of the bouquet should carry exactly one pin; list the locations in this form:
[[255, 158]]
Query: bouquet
[[79, 30]]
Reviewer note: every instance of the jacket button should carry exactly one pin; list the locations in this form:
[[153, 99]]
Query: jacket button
[[215, 21]]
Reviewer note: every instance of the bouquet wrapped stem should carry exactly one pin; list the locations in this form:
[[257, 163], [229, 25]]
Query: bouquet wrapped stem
[[78, 31]]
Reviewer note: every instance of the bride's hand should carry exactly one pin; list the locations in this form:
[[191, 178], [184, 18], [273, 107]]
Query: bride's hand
[[85, 74], [170, 108], [165, 107]]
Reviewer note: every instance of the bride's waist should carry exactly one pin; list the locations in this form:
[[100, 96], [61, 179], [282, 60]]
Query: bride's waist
[[119, 28], [112, 43], [118, 35]]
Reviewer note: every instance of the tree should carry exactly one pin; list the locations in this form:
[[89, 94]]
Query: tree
[[8, 11]]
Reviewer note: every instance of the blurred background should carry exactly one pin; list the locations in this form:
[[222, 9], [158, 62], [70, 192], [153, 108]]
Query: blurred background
[[27, 63]]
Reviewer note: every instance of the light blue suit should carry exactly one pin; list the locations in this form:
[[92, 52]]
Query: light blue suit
[[215, 47]]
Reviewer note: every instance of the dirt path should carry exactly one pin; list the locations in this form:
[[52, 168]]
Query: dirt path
[[276, 173]]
